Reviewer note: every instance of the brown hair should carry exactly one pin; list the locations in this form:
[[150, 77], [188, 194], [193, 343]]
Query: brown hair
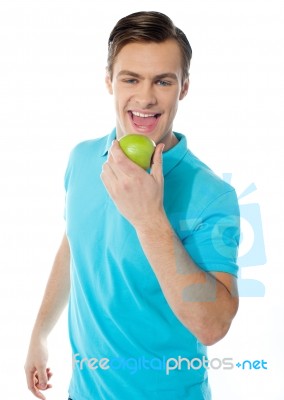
[[147, 26]]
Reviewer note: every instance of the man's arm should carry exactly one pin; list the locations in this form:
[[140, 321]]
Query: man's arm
[[54, 301], [204, 303]]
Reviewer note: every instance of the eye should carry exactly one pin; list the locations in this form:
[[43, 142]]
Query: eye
[[163, 83], [130, 81]]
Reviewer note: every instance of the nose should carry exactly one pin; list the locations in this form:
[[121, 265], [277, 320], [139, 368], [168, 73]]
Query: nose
[[145, 96]]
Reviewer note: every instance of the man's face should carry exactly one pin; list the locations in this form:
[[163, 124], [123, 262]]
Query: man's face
[[147, 86]]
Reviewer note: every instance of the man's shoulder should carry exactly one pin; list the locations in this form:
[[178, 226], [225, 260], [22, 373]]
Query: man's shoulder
[[96, 145], [90, 150], [203, 193], [202, 176]]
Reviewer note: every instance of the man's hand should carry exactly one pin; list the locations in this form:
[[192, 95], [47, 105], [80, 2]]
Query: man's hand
[[137, 194], [37, 373]]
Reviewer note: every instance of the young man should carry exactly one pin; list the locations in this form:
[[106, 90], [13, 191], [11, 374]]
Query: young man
[[151, 255]]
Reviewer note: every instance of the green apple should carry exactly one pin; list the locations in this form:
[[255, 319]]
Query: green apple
[[138, 148]]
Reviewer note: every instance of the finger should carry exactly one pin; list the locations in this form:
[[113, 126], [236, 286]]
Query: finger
[[38, 394], [49, 373], [42, 378], [157, 162], [108, 169], [30, 377], [108, 178], [32, 381], [121, 163]]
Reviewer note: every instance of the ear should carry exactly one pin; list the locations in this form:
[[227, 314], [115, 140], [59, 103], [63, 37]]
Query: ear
[[108, 83], [184, 89]]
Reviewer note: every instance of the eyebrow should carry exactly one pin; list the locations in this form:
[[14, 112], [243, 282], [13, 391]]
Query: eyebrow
[[156, 77]]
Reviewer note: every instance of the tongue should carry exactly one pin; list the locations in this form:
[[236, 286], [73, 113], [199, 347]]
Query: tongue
[[142, 121]]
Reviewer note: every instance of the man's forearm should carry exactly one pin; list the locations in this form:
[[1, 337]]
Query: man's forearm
[[56, 293], [202, 303]]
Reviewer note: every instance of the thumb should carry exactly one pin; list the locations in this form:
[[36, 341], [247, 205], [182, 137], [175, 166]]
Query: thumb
[[42, 378], [157, 161]]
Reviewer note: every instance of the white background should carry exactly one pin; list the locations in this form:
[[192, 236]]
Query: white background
[[52, 95]]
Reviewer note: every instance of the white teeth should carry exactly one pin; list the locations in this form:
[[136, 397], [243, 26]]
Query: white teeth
[[137, 114]]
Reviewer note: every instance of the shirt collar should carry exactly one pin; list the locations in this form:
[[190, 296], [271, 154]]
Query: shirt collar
[[170, 158], [109, 140], [175, 154]]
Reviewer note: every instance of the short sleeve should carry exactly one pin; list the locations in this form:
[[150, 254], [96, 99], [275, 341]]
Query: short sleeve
[[213, 242], [67, 178]]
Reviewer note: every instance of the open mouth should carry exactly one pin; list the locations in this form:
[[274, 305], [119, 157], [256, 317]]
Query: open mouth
[[144, 120]]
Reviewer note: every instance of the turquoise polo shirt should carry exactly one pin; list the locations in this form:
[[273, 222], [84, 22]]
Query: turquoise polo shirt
[[126, 341]]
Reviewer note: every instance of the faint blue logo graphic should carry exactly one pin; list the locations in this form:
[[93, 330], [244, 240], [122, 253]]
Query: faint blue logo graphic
[[252, 248]]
